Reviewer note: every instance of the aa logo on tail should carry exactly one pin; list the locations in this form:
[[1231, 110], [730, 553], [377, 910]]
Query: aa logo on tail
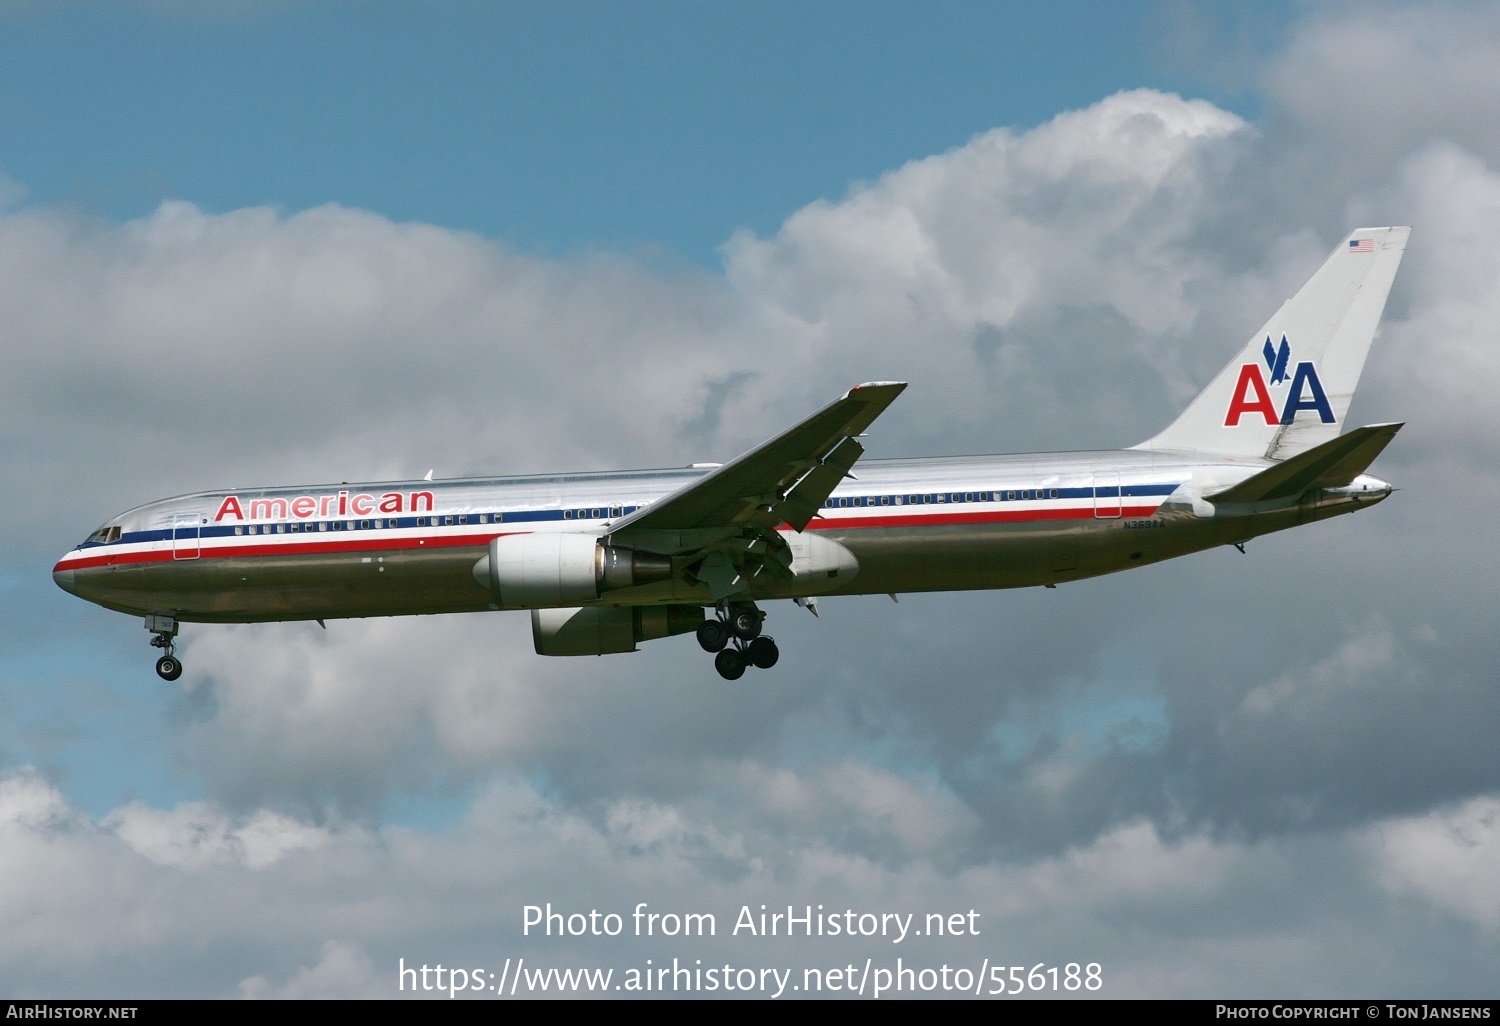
[[1252, 393]]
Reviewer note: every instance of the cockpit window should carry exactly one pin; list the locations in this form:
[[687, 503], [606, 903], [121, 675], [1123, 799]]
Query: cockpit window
[[106, 534]]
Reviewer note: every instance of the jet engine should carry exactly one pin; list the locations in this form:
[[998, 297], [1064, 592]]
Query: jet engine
[[601, 630], [539, 571]]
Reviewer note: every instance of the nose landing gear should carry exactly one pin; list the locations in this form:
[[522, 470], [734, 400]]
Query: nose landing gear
[[163, 630], [736, 639]]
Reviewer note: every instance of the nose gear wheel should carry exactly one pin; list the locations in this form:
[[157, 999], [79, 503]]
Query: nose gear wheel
[[163, 633]]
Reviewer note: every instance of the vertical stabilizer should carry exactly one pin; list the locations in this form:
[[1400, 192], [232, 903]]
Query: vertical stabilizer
[[1289, 388]]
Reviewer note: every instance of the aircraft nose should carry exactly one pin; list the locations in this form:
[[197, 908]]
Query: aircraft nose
[[64, 579]]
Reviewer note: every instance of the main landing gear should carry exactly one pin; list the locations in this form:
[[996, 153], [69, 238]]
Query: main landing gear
[[736, 638], [163, 629]]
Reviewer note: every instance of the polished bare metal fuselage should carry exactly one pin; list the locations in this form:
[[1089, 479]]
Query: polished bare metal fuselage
[[961, 523]]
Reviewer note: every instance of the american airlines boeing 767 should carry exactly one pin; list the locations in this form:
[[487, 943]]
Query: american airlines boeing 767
[[605, 561]]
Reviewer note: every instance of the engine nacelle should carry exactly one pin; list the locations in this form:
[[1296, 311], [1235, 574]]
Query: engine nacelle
[[602, 630], [543, 571]]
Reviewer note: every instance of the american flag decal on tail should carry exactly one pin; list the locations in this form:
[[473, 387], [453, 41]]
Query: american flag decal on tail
[[1361, 245]]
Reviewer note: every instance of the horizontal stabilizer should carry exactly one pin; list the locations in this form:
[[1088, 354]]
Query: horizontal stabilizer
[[1331, 465]]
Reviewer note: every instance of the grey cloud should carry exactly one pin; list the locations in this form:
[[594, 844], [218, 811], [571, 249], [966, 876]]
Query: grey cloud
[[335, 916], [1140, 166], [1280, 760]]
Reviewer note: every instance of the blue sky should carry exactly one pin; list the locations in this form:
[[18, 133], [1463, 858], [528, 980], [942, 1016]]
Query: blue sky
[[297, 242], [555, 126]]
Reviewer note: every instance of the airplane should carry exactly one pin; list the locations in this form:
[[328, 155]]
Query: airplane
[[606, 561]]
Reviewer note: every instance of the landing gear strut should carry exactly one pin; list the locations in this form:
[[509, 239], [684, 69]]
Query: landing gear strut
[[734, 635], [163, 630]]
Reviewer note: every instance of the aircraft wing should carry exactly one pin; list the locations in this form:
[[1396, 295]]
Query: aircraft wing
[[782, 481]]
